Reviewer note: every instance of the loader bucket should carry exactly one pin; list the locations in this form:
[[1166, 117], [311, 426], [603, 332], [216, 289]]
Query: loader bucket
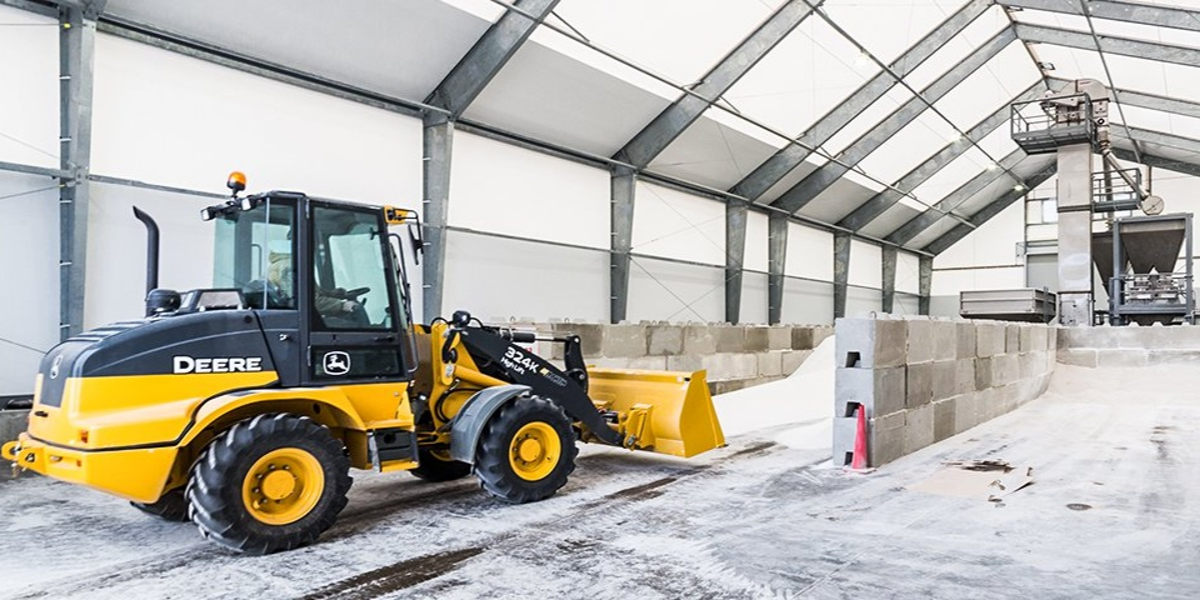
[[660, 411]]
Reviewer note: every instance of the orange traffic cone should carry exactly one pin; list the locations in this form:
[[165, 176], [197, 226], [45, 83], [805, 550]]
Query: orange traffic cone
[[859, 461]]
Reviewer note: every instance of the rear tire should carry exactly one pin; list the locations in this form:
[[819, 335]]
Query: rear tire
[[436, 465], [172, 506], [526, 451], [270, 483]]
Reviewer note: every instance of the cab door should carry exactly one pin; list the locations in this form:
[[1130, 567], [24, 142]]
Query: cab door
[[351, 313]]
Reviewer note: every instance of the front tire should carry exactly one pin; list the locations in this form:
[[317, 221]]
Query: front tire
[[270, 483], [527, 451], [173, 506]]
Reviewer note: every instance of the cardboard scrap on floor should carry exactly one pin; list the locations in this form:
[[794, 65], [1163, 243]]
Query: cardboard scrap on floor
[[990, 480]]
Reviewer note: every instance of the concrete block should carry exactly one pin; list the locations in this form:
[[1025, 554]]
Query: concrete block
[[756, 339], [770, 364], [1025, 338], [821, 333], [802, 338], [699, 340], [1009, 369], [664, 340], [1121, 357], [731, 338], [1038, 336], [869, 343], [1052, 338], [844, 431], [965, 339], [1079, 357], [779, 337], [983, 373], [919, 385], [920, 340], [12, 424], [647, 363], [882, 390], [887, 438], [945, 340], [792, 359], [964, 376], [1189, 358], [685, 362], [966, 412], [1012, 338], [591, 336], [985, 338], [918, 428], [944, 412], [624, 340], [944, 372], [730, 366]]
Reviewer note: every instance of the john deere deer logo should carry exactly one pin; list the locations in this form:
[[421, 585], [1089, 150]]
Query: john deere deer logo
[[336, 363]]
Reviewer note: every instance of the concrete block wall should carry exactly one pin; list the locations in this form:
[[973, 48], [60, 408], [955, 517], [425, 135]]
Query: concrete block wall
[[735, 356], [12, 424], [923, 380], [1129, 346]]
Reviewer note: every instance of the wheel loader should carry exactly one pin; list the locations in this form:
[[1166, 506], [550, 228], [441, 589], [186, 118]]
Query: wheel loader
[[242, 407]]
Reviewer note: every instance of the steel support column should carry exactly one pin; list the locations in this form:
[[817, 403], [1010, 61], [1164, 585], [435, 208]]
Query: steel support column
[[924, 284], [438, 150], [881, 202], [890, 257], [841, 272], [655, 137], [735, 254], [489, 54], [624, 189], [818, 181], [77, 41], [791, 156], [777, 241]]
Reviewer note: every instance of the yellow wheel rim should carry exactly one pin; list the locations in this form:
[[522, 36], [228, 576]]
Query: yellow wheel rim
[[534, 451], [283, 486]]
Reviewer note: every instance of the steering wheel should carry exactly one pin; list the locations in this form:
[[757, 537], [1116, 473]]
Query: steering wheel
[[354, 293]]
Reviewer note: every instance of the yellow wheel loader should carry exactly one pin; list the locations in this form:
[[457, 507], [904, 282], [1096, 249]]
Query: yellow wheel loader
[[242, 407]]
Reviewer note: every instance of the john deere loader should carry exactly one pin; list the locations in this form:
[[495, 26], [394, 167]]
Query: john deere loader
[[242, 407]]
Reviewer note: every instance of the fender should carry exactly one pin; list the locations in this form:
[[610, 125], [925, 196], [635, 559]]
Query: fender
[[478, 410], [217, 407]]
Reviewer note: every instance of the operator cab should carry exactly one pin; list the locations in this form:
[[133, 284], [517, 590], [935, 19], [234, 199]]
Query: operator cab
[[325, 279]]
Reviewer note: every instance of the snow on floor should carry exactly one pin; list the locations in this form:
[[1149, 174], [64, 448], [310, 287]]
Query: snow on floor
[[803, 399]]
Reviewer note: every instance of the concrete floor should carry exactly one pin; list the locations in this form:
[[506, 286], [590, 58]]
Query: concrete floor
[[755, 520]]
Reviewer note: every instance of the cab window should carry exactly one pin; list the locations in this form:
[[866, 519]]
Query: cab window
[[350, 288]]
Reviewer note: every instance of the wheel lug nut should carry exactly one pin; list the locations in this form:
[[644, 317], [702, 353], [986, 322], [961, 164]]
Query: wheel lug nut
[[286, 467], [259, 476], [270, 467], [254, 491]]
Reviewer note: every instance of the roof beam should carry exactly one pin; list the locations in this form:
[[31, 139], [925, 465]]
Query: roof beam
[[918, 224], [1156, 51], [1141, 14], [986, 213], [1164, 139], [671, 122], [766, 175], [818, 181], [1152, 160], [881, 202], [485, 59]]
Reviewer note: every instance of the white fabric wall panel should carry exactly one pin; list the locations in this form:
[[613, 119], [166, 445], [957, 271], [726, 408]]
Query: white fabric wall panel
[[497, 279], [950, 283], [908, 273], [807, 302], [757, 230], [906, 305], [673, 224], [809, 253], [29, 106], [994, 243], [501, 188], [115, 286], [866, 265], [665, 291], [754, 298], [29, 284], [861, 302], [165, 118]]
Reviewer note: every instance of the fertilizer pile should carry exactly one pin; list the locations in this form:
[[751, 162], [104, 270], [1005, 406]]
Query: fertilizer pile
[[804, 399]]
